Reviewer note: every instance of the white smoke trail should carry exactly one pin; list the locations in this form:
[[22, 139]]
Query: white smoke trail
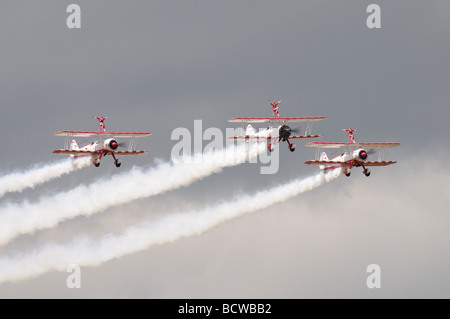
[[85, 252], [136, 184], [18, 181]]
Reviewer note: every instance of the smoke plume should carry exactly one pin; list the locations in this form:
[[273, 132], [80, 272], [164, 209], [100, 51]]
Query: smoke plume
[[85, 252], [18, 181], [138, 183]]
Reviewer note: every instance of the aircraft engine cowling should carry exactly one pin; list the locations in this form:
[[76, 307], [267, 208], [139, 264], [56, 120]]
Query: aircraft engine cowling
[[284, 132], [360, 155], [111, 144]]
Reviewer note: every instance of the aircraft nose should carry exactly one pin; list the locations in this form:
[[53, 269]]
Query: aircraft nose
[[284, 131], [113, 145]]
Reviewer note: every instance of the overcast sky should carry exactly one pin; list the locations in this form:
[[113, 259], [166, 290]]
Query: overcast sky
[[159, 65]]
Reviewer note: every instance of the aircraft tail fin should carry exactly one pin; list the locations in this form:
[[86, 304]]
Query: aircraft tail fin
[[249, 130], [74, 146], [323, 157]]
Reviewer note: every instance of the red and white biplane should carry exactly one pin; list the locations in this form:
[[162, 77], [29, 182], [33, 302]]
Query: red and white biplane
[[274, 134], [106, 144], [356, 155]]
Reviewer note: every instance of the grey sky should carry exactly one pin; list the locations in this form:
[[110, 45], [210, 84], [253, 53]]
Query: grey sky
[[158, 65]]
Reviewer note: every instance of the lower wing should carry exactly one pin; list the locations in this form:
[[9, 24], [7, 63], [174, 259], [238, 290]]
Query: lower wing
[[347, 164], [383, 163], [248, 137], [81, 152], [305, 136], [253, 138], [340, 164]]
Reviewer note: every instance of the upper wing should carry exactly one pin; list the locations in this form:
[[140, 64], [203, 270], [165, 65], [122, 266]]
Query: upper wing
[[81, 152], [275, 119], [347, 164], [102, 134], [356, 145]]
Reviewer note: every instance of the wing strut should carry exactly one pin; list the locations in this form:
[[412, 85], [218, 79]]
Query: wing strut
[[132, 145], [66, 143], [309, 126]]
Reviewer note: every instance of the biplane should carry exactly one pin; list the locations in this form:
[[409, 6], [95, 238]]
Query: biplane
[[274, 134], [105, 144], [355, 156]]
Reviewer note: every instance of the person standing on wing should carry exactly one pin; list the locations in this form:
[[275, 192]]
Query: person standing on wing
[[101, 120]]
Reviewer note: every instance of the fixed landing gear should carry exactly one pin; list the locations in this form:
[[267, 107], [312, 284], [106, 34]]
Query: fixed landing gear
[[366, 171], [292, 147], [347, 172], [117, 162], [96, 162]]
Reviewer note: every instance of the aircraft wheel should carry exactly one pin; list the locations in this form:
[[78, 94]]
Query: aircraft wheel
[[367, 174], [97, 164], [118, 163], [292, 147], [348, 175]]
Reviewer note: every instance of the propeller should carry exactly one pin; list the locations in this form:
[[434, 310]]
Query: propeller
[[122, 145], [296, 130], [286, 131], [364, 153]]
